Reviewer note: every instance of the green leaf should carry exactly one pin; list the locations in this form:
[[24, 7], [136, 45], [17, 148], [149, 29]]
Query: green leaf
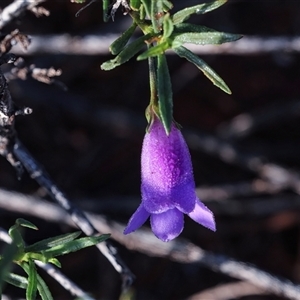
[[16, 236], [25, 223], [154, 51], [205, 38], [164, 88], [201, 35], [168, 26], [167, 5], [184, 14], [52, 242], [17, 280], [205, 68], [188, 27], [15, 232], [76, 245], [147, 7], [43, 289], [41, 285], [157, 14], [128, 52], [6, 260], [55, 262], [32, 281], [118, 45], [135, 4]]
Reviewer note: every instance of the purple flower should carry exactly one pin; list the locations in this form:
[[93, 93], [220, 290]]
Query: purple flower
[[168, 187]]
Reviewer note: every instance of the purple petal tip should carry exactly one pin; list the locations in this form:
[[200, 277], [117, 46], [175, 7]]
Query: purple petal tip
[[202, 215]]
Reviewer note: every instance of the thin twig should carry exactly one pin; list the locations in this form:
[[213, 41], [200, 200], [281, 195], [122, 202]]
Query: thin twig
[[37, 173], [15, 9], [143, 240], [245, 124], [257, 207], [277, 175], [232, 290], [12, 149], [99, 45], [64, 281]]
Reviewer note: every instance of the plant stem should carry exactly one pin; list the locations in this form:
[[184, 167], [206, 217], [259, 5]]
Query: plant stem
[[152, 81]]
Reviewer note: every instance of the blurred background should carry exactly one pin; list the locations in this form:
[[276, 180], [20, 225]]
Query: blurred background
[[245, 146]]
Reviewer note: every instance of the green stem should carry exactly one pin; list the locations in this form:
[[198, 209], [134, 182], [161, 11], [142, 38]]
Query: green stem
[[153, 81]]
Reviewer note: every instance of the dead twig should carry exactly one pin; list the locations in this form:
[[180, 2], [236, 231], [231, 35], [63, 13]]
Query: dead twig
[[11, 39], [246, 124], [232, 290], [179, 250], [13, 150], [99, 45], [16, 8]]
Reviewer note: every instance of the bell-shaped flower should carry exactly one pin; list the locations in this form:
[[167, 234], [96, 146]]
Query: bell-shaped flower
[[168, 186]]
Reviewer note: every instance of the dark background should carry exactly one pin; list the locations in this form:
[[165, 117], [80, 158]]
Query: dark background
[[89, 140]]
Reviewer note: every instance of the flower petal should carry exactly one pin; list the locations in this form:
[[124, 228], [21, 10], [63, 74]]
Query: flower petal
[[167, 174], [137, 219], [154, 200], [167, 225], [184, 196], [202, 215]]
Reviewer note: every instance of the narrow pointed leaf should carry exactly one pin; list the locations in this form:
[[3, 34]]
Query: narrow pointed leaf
[[206, 38], [52, 242], [55, 262], [118, 45], [154, 51], [25, 223], [184, 14], [17, 280], [167, 5], [204, 67], [142, 12], [164, 88], [43, 289], [201, 35], [157, 15], [168, 26], [75, 245], [128, 52], [32, 281], [147, 7], [41, 285], [16, 236], [188, 27]]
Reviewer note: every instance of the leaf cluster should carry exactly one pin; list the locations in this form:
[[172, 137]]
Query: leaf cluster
[[163, 31], [45, 251]]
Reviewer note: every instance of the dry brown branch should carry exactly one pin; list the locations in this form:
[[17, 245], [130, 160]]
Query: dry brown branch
[[15, 9], [98, 45], [278, 176], [18, 156], [14, 37], [248, 123], [144, 241], [237, 189]]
